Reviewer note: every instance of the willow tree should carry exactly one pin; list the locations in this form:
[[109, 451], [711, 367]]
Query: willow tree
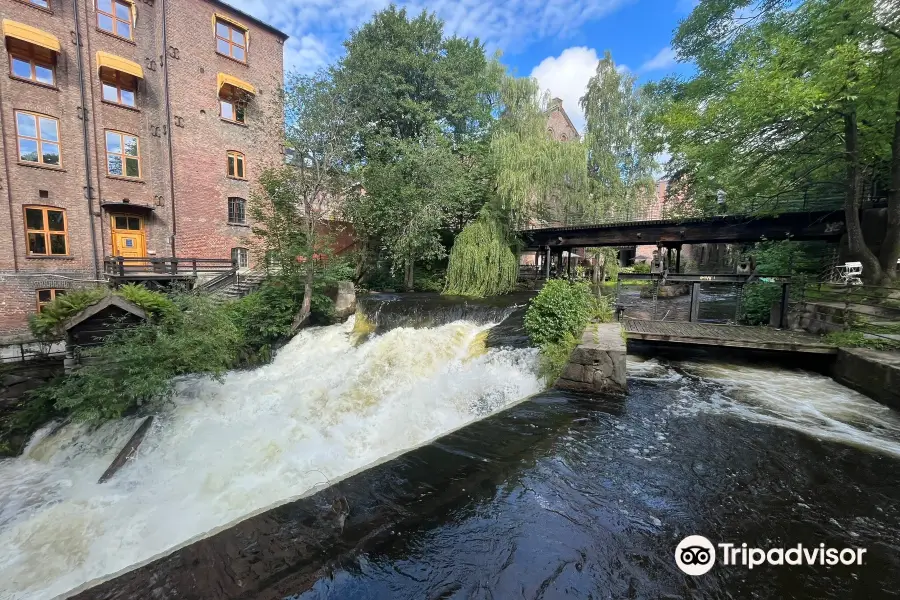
[[532, 174]]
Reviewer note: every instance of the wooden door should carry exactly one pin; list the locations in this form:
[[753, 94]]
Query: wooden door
[[128, 239]]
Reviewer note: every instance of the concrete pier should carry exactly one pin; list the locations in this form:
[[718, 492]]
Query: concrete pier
[[597, 365]]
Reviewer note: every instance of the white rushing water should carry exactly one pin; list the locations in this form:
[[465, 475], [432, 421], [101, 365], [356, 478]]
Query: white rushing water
[[323, 409], [807, 402]]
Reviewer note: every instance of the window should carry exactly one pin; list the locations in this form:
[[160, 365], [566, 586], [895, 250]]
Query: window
[[237, 211], [38, 138], [114, 16], [240, 257], [231, 40], [46, 231], [41, 3], [118, 87], [236, 165], [232, 104], [123, 157], [45, 297], [126, 223], [31, 62]]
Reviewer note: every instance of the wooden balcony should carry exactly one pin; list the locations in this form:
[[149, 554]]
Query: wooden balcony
[[163, 270]]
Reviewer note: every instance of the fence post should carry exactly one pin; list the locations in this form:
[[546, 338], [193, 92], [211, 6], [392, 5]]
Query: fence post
[[174, 266], [194, 262], [785, 297], [121, 261], [695, 302]]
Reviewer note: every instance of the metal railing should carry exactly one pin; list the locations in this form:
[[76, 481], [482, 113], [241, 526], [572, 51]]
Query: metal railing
[[161, 267], [873, 310], [685, 211]]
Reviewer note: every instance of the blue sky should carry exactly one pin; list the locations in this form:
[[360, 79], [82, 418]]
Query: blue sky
[[557, 41]]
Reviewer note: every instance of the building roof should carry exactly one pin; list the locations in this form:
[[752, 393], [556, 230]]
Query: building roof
[[556, 105], [101, 306], [281, 35]]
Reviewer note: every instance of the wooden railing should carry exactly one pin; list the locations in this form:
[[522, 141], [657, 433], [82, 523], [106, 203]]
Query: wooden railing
[[163, 267]]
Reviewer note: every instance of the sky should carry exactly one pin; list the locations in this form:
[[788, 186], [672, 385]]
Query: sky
[[557, 41]]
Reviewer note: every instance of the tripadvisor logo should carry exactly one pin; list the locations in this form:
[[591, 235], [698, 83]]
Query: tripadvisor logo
[[696, 555]]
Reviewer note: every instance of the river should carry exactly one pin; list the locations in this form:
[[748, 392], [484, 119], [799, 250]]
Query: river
[[454, 476]]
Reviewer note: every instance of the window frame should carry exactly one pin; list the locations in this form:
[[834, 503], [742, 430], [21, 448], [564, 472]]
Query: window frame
[[116, 19], [45, 231], [31, 57], [37, 4], [233, 211], [239, 157], [122, 154], [54, 294], [117, 82], [240, 252], [235, 98], [39, 139], [230, 41]]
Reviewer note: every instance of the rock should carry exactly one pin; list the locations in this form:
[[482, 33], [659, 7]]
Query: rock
[[344, 297], [598, 363]]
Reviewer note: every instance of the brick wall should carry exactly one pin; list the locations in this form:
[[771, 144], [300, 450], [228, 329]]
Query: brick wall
[[201, 185]]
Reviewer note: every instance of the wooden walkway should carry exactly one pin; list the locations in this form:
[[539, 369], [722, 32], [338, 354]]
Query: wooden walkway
[[733, 336]]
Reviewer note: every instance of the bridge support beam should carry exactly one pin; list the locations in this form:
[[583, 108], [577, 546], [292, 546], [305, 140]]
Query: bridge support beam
[[547, 264]]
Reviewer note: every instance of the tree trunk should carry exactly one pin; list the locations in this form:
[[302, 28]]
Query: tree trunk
[[408, 276], [871, 267], [890, 247], [306, 307]]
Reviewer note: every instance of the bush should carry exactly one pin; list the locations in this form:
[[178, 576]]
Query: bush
[[560, 308], [139, 364], [554, 356], [756, 304], [152, 302]]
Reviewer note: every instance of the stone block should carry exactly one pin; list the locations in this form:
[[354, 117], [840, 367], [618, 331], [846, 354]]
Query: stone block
[[597, 365]]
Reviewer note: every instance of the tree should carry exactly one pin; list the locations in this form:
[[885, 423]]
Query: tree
[[787, 98], [620, 167], [424, 104], [295, 201], [533, 175]]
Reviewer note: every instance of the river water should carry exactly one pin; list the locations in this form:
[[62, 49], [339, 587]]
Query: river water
[[529, 494]]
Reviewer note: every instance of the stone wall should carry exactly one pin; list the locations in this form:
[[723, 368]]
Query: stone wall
[[871, 372], [597, 365]]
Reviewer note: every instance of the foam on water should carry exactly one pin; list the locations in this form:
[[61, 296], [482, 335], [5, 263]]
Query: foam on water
[[323, 409], [807, 402]]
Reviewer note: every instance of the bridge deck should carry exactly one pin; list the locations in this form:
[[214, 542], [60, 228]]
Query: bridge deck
[[735, 336]]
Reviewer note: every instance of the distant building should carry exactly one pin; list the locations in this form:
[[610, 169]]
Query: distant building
[[559, 125], [130, 129]]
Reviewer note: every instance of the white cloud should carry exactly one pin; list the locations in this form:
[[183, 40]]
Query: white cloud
[[664, 59], [305, 54], [566, 76], [504, 25]]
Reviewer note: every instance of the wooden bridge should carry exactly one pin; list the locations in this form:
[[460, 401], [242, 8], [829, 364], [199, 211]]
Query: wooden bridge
[[731, 336]]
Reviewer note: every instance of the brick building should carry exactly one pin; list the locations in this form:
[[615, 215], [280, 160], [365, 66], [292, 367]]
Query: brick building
[[142, 140]]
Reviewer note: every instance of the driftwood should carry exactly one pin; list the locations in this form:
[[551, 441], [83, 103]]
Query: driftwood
[[128, 451]]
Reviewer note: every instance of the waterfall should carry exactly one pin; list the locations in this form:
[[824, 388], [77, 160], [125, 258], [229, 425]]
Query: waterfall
[[326, 407]]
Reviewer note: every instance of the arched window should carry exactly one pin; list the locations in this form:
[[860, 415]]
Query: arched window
[[240, 257], [237, 211], [563, 137], [236, 164]]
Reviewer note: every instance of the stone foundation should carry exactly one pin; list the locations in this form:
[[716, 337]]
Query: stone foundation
[[874, 373], [597, 365]]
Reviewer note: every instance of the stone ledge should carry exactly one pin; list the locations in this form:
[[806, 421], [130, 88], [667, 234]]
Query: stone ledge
[[597, 365]]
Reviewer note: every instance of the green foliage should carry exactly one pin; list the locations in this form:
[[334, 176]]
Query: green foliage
[[620, 165], [265, 316], [798, 99], [561, 307], [154, 303], [50, 322], [756, 303], [481, 262], [554, 356], [138, 364], [858, 339]]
